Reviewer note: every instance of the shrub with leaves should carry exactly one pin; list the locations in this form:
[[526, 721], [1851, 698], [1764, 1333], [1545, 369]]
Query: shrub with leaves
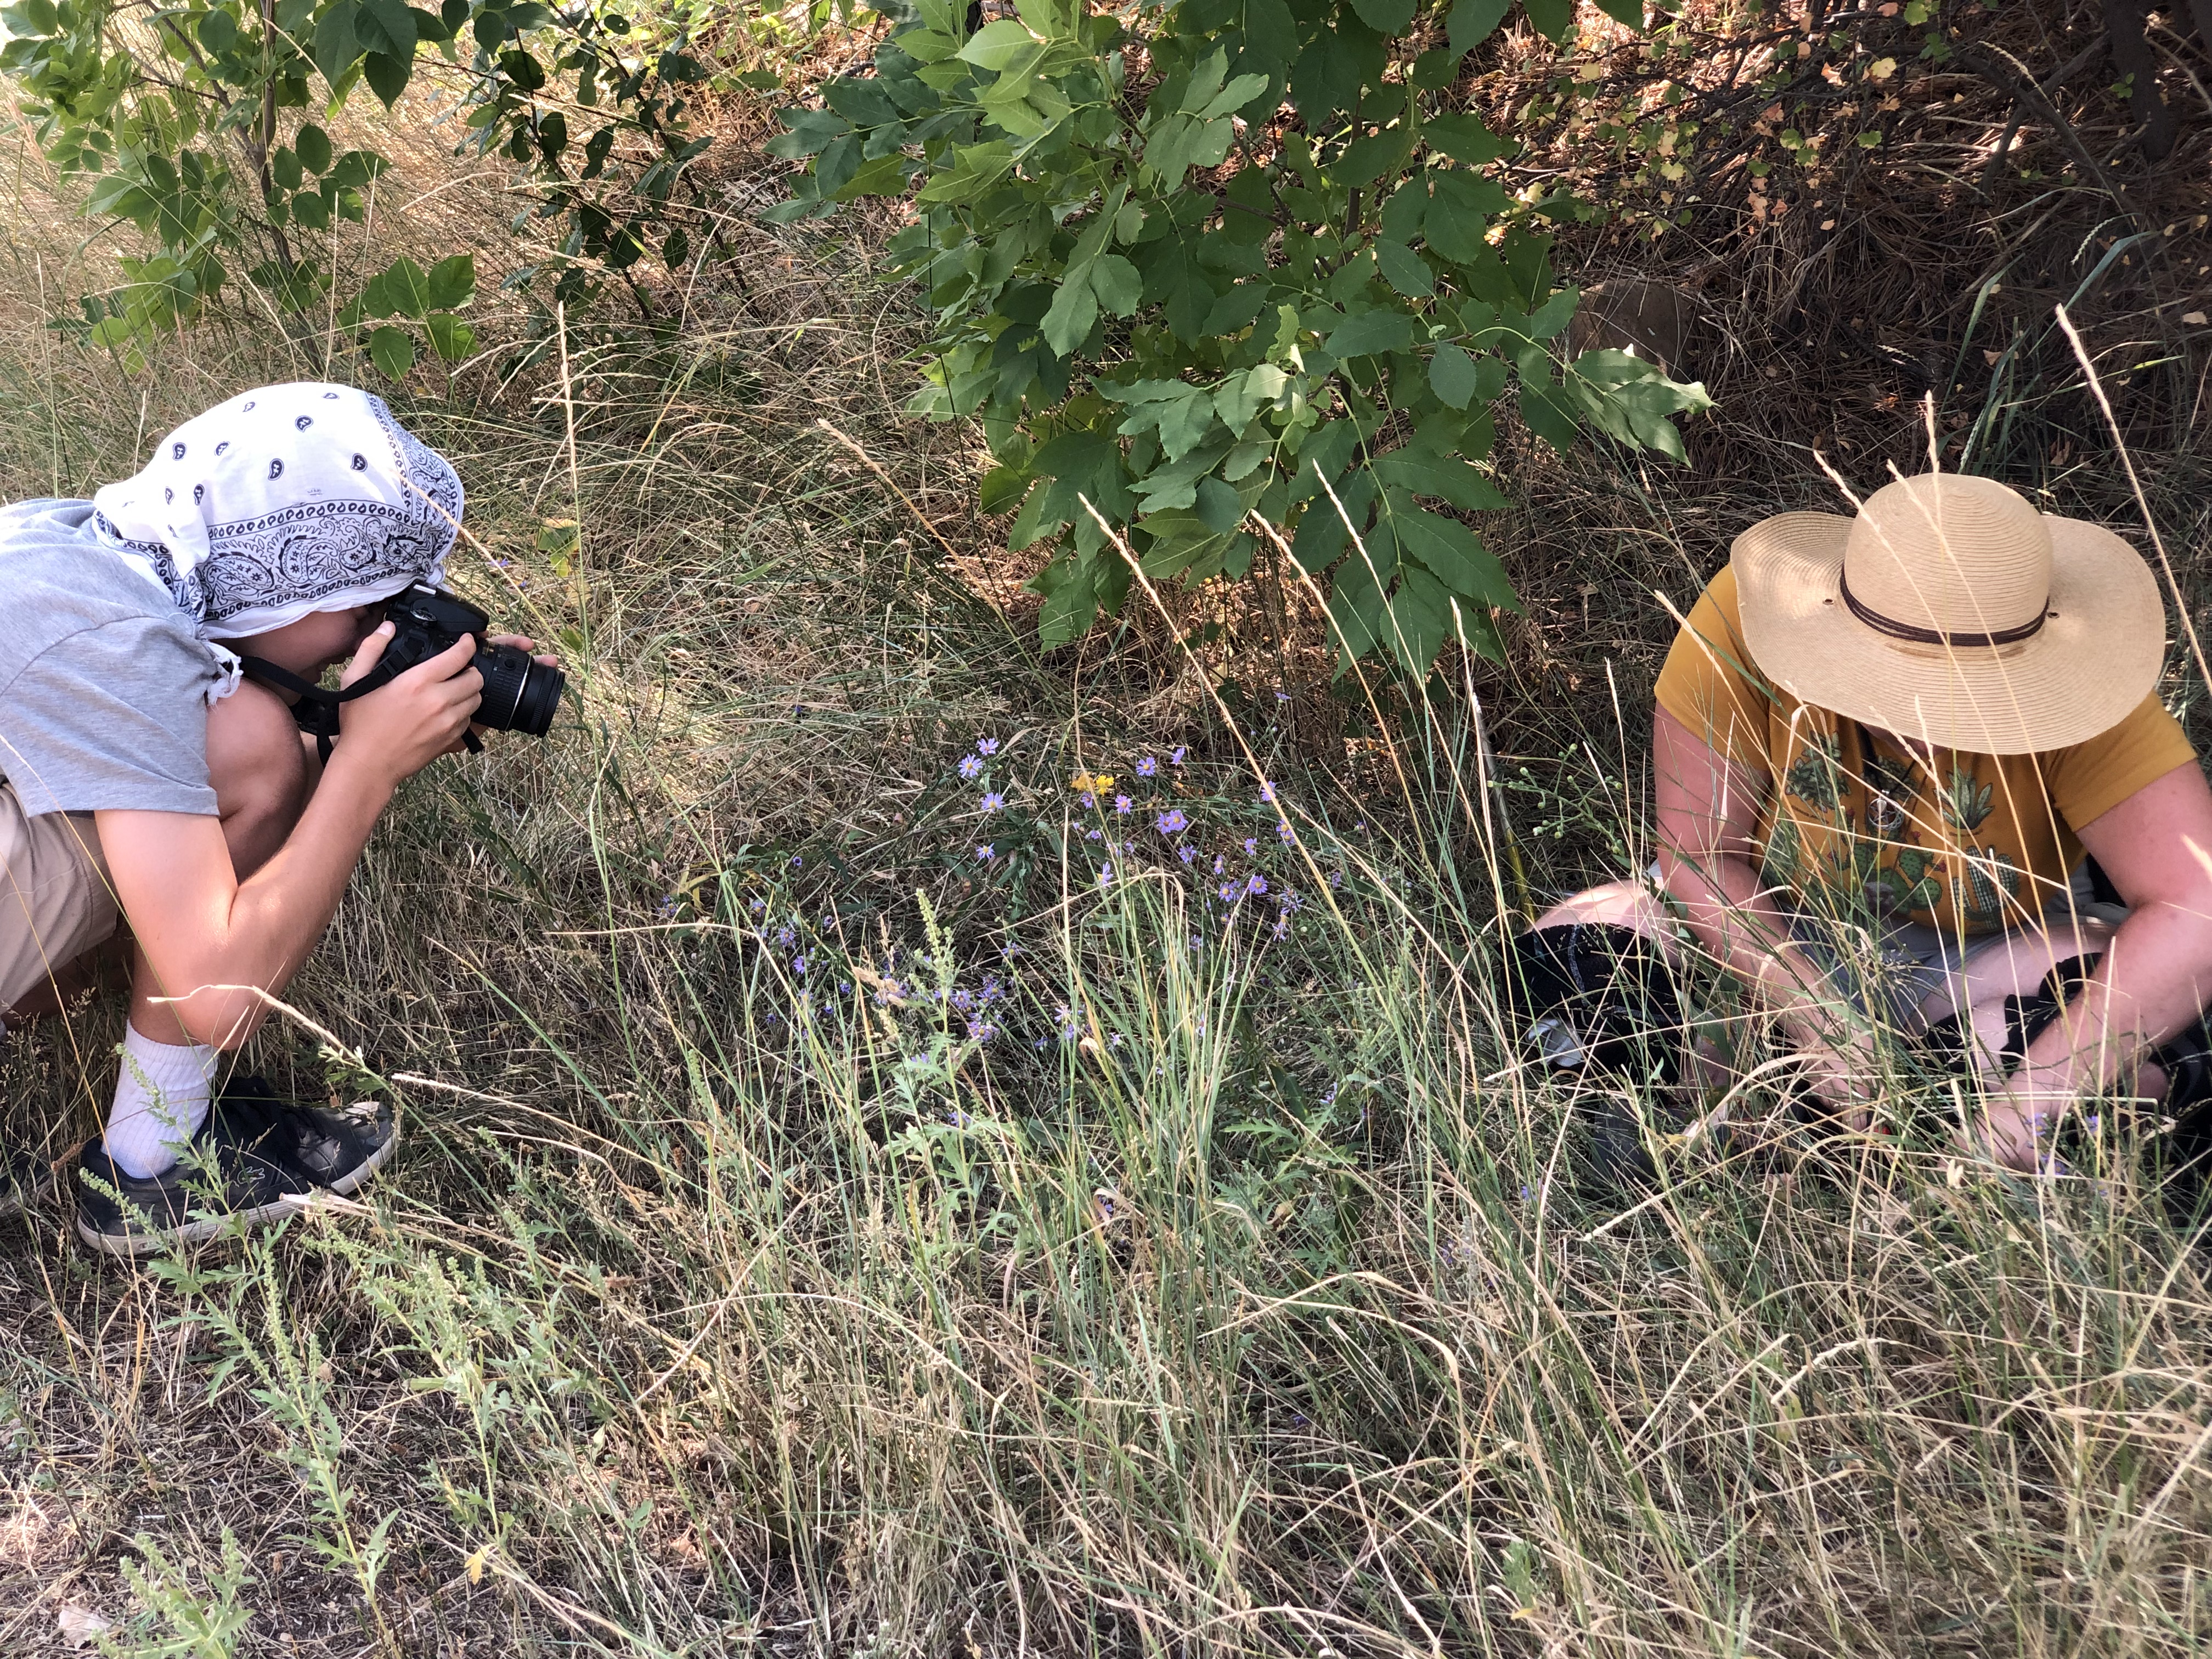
[[1236, 259], [195, 124]]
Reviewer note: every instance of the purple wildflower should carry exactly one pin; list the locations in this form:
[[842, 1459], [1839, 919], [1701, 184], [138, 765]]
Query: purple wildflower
[[1105, 875], [1255, 883], [987, 852], [1148, 767], [971, 767], [986, 745], [1172, 821], [1283, 832], [1187, 852], [1122, 804], [1175, 759], [1230, 891], [1251, 846]]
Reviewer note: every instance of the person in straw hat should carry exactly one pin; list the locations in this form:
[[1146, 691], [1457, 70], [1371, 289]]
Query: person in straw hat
[[1912, 774]]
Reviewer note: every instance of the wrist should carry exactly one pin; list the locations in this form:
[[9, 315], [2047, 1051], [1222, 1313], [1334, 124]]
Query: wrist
[[356, 769]]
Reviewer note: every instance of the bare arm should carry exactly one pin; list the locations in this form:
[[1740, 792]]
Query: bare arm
[[2154, 978], [201, 928], [1707, 809]]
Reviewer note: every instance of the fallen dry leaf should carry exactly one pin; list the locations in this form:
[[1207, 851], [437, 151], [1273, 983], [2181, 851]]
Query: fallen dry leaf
[[81, 1626], [2194, 318]]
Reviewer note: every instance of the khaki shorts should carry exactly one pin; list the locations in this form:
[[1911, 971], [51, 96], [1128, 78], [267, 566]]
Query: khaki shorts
[[56, 901]]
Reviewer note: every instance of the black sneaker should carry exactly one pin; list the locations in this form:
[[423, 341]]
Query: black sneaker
[[24, 1180], [255, 1155]]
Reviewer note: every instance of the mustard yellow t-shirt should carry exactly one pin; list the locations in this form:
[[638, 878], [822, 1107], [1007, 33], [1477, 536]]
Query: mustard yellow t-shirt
[[1971, 843]]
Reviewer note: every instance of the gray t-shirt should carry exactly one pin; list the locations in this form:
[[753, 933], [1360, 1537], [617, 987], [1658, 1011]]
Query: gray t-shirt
[[103, 683]]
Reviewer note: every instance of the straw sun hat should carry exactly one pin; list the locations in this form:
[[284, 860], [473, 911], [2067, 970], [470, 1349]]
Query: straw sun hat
[[1951, 612]]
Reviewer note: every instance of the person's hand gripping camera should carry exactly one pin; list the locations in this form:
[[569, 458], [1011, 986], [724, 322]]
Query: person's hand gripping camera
[[425, 682]]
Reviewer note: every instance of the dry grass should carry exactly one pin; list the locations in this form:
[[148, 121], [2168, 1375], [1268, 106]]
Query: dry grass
[[1268, 1311]]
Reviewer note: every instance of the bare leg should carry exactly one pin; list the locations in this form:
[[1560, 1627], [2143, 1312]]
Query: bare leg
[[1629, 904], [1633, 904], [262, 781]]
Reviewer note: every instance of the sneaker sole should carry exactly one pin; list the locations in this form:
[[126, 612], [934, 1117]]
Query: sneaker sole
[[129, 1246]]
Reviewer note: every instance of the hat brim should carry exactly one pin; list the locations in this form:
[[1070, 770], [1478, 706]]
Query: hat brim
[[2095, 659]]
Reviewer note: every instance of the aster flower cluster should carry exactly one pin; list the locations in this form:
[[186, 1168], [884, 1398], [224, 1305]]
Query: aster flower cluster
[[1156, 819]]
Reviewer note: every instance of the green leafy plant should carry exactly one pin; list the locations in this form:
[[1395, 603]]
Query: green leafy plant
[[174, 1620], [193, 123], [1233, 263]]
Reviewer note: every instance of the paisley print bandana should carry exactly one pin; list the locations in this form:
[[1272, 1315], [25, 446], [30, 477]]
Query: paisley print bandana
[[284, 501]]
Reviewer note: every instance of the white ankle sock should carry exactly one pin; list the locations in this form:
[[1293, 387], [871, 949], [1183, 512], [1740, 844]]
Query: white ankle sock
[[161, 1101]]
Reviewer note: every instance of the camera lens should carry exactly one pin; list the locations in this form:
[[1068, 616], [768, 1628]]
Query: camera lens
[[520, 694]]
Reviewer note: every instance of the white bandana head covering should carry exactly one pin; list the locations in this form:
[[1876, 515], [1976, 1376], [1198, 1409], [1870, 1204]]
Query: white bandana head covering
[[285, 501]]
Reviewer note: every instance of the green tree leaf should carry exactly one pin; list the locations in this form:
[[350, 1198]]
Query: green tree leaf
[[1372, 331], [451, 339], [392, 350], [336, 47], [32, 20], [1464, 138], [1116, 282], [1405, 269], [995, 45], [1553, 18], [386, 26], [1473, 22], [452, 282], [1233, 97], [218, 30], [1422, 471], [387, 77], [404, 289], [1452, 376], [1458, 223], [1070, 602], [1074, 308], [1385, 17], [1454, 554]]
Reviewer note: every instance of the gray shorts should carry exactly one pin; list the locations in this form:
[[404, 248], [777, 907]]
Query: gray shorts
[[56, 901]]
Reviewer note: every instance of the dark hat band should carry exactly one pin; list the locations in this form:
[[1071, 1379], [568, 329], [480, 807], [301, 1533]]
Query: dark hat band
[[1917, 635]]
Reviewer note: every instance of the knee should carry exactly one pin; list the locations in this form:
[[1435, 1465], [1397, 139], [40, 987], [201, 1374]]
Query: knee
[[1630, 904], [259, 771]]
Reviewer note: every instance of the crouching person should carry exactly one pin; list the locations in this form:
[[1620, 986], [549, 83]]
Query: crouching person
[[147, 783], [1912, 773]]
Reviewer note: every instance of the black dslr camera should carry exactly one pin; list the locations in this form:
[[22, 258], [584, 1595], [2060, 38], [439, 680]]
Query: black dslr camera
[[520, 692]]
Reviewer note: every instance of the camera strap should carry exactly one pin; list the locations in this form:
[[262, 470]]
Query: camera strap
[[317, 710]]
